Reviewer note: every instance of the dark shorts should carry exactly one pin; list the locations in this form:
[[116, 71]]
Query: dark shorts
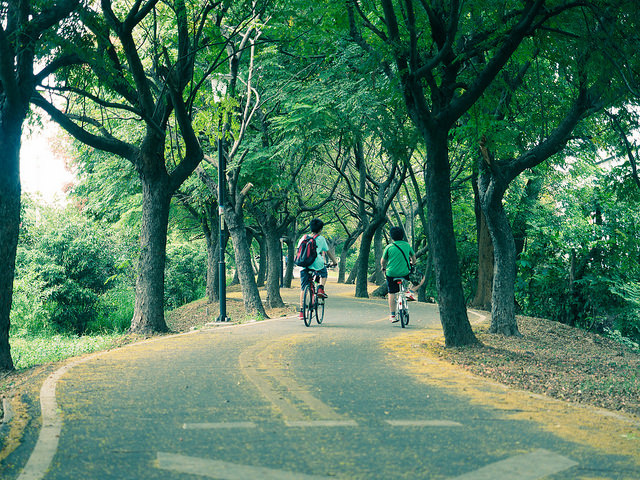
[[392, 285], [305, 276]]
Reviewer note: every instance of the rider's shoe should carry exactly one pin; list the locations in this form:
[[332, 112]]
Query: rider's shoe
[[411, 296], [393, 318], [301, 314], [321, 293]]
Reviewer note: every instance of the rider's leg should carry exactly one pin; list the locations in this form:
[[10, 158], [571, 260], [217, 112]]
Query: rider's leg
[[323, 280], [392, 303], [392, 289], [304, 282]]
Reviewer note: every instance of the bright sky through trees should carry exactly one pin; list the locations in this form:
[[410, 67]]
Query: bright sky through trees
[[42, 169]]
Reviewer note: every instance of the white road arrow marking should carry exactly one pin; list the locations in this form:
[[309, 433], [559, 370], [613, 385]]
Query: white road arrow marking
[[225, 470], [532, 466]]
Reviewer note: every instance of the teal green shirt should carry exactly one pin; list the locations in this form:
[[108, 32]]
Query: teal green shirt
[[397, 266], [321, 246]]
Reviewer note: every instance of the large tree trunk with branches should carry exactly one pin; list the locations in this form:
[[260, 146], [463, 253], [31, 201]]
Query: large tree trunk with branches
[[244, 267], [362, 263], [21, 29], [274, 272], [493, 180], [10, 191], [148, 314], [453, 313]]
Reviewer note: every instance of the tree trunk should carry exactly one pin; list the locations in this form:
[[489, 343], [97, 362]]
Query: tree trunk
[[263, 263], [244, 267], [148, 314], [483, 295], [342, 266], [288, 274], [10, 191], [353, 275], [527, 202], [453, 312], [428, 280], [378, 249], [503, 316], [491, 191], [274, 260], [362, 263]]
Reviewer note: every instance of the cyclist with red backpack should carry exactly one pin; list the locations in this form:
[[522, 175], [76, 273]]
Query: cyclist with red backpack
[[310, 253]]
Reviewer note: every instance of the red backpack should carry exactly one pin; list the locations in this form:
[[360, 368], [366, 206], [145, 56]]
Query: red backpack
[[307, 252]]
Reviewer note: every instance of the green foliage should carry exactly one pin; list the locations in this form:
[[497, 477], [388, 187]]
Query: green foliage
[[63, 270], [115, 311], [581, 264], [185, 273], [28, 314], [627, 322]]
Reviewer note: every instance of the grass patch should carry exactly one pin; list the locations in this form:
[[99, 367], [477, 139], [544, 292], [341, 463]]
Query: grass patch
[[31, 351]]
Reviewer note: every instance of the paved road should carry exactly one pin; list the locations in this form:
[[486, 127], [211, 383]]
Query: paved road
[[276, 400]]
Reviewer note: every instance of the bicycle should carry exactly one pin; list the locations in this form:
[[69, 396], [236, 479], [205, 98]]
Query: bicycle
[[312, 304], [402, 310]]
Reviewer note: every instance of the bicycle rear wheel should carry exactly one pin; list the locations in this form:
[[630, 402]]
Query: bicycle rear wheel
[[404, 317], [307, 306], [320, 310]]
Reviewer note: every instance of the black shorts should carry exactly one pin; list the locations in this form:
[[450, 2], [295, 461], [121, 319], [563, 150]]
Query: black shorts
[[392, 285], [305, 276]]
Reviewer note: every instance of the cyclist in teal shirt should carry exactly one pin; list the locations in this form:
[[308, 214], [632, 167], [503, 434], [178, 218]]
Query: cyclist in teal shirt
[[396, 262], [319, 264]]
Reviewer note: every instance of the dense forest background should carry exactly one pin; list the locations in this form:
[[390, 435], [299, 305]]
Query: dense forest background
[[511, 124]]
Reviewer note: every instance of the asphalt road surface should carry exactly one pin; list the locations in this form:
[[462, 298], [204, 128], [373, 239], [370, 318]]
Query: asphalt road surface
[[277, 400]]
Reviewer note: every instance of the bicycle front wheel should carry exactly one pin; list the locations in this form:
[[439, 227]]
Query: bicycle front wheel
[[320, 310], [307, 306]]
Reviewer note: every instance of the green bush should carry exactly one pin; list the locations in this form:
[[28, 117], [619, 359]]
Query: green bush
[[580, 265], [28, 315], [115, 313], [63, 268], [627, 322], [185, 273]]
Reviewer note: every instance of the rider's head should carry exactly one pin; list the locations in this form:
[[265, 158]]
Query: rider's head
[[316, 225], [396, 233]]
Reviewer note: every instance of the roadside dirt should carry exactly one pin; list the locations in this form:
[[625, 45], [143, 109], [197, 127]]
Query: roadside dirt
[[555, 360]]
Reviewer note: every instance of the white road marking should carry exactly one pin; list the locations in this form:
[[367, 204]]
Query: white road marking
[[225, 470], [532, 466], [423, 423], [47, 443], [264, 365], [322, 423], [217, 425]]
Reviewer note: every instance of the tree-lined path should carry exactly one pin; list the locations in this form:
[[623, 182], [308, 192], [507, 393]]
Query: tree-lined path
[[276, 400]]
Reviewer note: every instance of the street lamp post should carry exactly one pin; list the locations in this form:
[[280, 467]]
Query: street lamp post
[[222, 274]]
